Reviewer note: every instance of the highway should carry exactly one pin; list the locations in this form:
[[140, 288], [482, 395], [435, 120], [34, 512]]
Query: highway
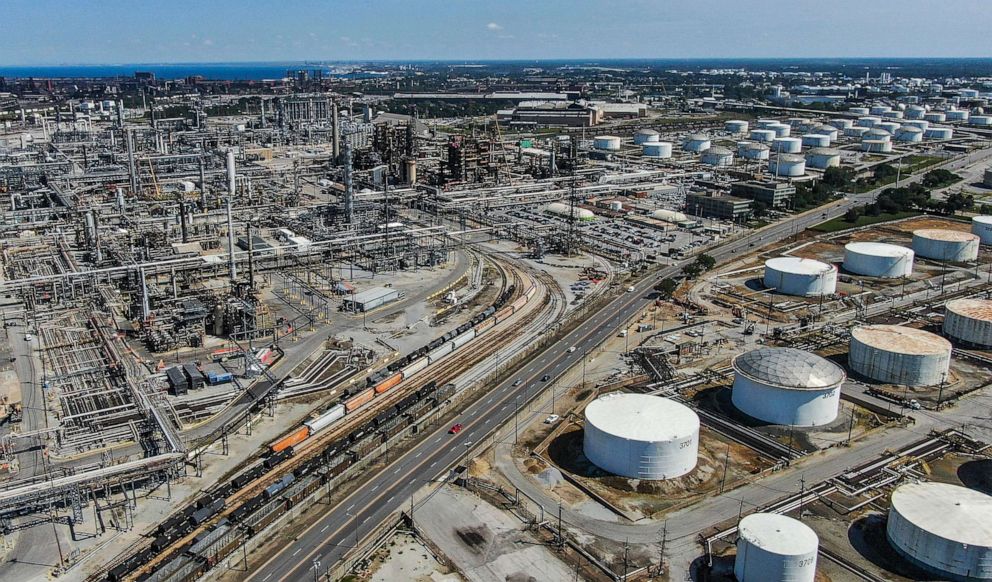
[[391, 489]]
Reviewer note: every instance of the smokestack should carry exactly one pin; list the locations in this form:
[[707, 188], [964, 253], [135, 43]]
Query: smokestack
[[262, 116], [335, 133], [349, 194], [120, 113], [230, 218]]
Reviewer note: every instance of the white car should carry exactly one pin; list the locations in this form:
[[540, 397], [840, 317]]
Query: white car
[[572, 349], [551, 419]]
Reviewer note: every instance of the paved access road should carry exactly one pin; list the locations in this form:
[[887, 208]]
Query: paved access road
[[390, 489]]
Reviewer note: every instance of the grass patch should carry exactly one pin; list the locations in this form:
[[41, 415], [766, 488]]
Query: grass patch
[[838, 224]]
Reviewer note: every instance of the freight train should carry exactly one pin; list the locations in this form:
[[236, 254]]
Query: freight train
[[197, 556]]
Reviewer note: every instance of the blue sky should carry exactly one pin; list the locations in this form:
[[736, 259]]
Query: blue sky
[[117, 31]]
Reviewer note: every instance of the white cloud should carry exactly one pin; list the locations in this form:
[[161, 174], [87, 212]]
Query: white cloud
[[494, 26], [208, 42]]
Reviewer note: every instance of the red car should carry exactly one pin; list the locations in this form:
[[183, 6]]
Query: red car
[[455, 429]]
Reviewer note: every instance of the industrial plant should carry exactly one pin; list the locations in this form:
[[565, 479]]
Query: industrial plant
[[485, 321]]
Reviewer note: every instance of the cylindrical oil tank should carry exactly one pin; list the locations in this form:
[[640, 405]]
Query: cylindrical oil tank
[[876, 146], [798, 276], [750, 150], [879, 109], [856, 131], [909, 134], [787, 386], [816, 140], [862, 111], [641, 436], [606, 142], [955, 115], [842, 124], [736, 126], [935, 132], [718, 156], [888, 126], [775, 548], [780, 129], [763, 135], [981, 120], [922, 124], [878, 259], [946, 245], [787, 145], [982, 226], [657, 149], [877, 133], [696, 142], [969, 321], [915, 112], [896, 354], [869, 121], [892, 115], [823, 158], [935, 116], [827, 130], [644, 136], [945, 529], [763, 123], [787, 165]]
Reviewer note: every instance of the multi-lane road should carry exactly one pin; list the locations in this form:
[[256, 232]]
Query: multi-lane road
[[392, 488]]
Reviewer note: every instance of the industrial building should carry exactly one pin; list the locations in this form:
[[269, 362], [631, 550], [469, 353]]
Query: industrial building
[[717, 206], [896, 354], [944, 529], [787, 386], [773, 194], [370, 299], [775, 548], [550, 114], [641, 436]]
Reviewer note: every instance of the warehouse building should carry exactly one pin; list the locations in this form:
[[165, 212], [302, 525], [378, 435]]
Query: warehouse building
[[550, 113], [725, 207], [774, 194], [370, 299]]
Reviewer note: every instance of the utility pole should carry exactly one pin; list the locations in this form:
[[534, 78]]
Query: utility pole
[[726, 464], [802, 492], [661, 553]]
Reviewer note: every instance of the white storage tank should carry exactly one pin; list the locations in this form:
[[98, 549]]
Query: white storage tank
[[764, 123], [945, 245], [935, 116], [935, 132], [657, 149], [909, 134], [956, 115], [823, 158], [697, 142], [969, 321], [780, 129], [787, 165], [786, 386], [562, 209], [644, 136], [869, 121], [798, 276], [895, 354], [736, 126], [877, 133], [945, 529], [982, 226], [606, 142], [892, 115], [980, 120], [763, 135], [880, 109], [827, 130], [915, 112], [878, 259], [842, 124], [816, 140], [669, 215], [752, 150], [888, 126], [787, 145], [922, 124], [775, 548], [877, 146], [641, 436], [856, 131], [718, 156], [862, 111]]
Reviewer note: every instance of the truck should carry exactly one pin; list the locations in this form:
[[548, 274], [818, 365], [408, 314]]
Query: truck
[[215, 378]]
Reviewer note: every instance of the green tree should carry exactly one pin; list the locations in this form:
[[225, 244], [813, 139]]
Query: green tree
[[666, 287]]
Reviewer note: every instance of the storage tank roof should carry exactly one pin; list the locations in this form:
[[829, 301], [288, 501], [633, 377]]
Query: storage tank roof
[[789, 368], [901, 339], [755, 146], [778, 534], [789, 158], [952, 512], [972, 308], [824, 152], [878, 249], [642, 417], [982, 219], [798, 265], [718, 151], [945, 235], [647, 132], [698, 137]]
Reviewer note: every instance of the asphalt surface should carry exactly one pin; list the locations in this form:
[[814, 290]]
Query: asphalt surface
[[392, 488]]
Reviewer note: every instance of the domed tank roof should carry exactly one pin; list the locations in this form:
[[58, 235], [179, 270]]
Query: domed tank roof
[[789, 368]]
